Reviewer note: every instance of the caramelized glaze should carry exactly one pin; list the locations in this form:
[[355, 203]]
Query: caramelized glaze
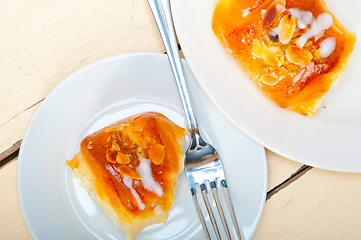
[[302, 80], [119, 181]]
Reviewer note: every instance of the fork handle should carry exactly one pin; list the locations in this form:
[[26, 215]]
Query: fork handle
[[162, 15]]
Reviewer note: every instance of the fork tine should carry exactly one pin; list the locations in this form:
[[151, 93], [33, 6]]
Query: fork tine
[[213, 185], [200, 215], [230, 207], [209, 209]]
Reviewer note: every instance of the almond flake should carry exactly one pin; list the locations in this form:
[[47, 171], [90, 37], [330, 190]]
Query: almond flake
[[129, 172], [111, 155], [268, 79], [122, 158], [270, 57], [294, 54], [157, 154], [257, 49], [307, 60], [116, 128], [273, 11], [286, 28]]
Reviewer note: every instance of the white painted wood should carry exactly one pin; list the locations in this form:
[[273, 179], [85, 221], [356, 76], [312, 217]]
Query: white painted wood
[[12, 224], [43, 42], [319, 205], [279, 168]]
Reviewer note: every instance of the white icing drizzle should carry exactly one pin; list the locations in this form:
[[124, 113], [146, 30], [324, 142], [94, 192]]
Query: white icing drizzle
[[323, 22], [158, 210], [129, 183], [279, 8], [327, 47], [145, 171], [245, 12], [304, 72], [114, 172], [299, 75], [263, 12], [304, 18]]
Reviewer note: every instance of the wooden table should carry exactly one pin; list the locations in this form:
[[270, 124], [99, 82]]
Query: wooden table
[[43, 42]]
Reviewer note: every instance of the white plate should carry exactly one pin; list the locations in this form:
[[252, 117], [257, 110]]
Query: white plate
[[329, 140], [52, 203]]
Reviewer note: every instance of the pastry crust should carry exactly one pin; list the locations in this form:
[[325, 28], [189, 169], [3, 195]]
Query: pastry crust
[[293, 50], [131, 169]]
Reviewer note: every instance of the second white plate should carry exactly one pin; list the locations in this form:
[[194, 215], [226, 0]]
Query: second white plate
[[328, 140]]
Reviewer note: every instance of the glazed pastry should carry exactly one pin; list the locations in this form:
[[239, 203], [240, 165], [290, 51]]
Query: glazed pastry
[[293, 50], [131, 169]]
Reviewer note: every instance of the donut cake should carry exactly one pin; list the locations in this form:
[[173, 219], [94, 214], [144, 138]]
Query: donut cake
[[293, 50], [131, 169]]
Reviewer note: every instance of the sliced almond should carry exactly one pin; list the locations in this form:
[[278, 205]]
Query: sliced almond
[[269, 79], [111, 155], [116, 128], [283, 48], [270, 57], [282, 60], [257, 49], [274, 49], [133, 118], [129, 172], [273, 11], [116, 146], [307, 60], [294, 54], [264, 52], [122, 158], [157, 154], [286, 28]]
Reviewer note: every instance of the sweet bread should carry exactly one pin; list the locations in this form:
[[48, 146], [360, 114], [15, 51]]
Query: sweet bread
[[293, 50], [131, 169]]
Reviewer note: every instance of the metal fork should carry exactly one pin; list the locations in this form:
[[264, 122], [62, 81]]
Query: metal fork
[[202, 162]]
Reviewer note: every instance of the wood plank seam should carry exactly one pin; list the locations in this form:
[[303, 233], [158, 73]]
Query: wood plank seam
[[22, 112], [296, 175], [10, 154], [9, 159], [14, 148]]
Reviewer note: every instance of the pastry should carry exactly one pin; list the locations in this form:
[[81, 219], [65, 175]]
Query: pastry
[[131, 169], [293, 50]]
